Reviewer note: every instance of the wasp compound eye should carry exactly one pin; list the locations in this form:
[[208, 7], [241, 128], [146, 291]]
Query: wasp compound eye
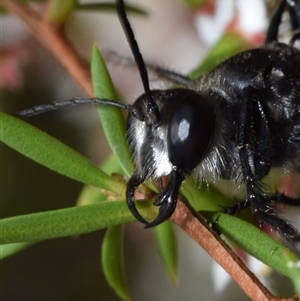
[[235, 122], [190, 131]]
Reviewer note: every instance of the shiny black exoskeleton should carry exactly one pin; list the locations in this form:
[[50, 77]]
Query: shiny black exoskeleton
[[236, 122]]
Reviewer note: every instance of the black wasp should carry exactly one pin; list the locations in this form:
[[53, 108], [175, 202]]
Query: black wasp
[[235, 122]]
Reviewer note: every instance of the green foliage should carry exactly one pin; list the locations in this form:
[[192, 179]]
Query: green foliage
[[259, 245], [111, 118], [64, 222], [195, 3], [112, 261], [166, 241], [102, 199], [109, 6], [59, 10], [230, 44], [10, 249], [50, 152]]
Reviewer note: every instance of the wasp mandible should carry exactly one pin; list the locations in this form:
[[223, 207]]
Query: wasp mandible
[[236, 122]]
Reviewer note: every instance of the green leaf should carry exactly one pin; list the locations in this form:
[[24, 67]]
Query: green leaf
[[11, 249], [166, 241], [111, 166], [64, 222], [202, 198], [112, 261], [230, 44], [50, 152], [259, 244], [110, 6], [69, 221], [195, 3], [59, 10], [93, 195], [111, 118]]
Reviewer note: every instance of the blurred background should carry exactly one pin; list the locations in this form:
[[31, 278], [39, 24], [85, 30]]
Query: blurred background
[[174, 36]]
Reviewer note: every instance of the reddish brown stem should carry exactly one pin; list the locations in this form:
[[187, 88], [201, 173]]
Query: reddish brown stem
[[53, 38], [199, 231]]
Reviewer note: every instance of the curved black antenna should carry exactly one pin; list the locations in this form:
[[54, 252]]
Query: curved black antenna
[[72, 102], [151, 106]]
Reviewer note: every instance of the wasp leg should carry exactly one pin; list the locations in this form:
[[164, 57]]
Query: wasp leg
[[280, 198], [238, 206], [283, 199], [255, 157], [167, 199], [294, 12], [134, 182], [293, 7], [266, 213], [272, 32]]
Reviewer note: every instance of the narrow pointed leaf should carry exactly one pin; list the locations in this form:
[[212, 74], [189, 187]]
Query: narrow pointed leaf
[[111, 118], [202, 198], [230, 44], [59, 10], [64, 222], [166, 241], [91, 194], [112, 261], [109, 6], [260, 245], [195, 3], [111, 166], [50, 152], [10, 249]]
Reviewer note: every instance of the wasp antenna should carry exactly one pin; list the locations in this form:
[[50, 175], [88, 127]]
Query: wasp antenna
[[151, 106], [72, 102]]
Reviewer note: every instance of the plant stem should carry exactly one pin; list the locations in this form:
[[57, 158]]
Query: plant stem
[[199, 231], [54, 39]]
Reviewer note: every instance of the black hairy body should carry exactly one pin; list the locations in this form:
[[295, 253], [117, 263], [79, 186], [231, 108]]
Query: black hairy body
[[252, 125], [236, 122], [257, 91]]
